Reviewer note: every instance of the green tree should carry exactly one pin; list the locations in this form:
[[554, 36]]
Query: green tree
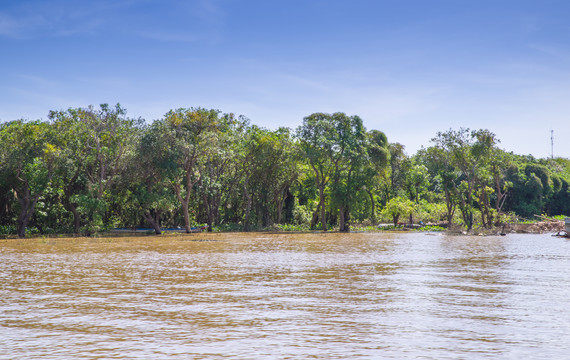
[[397, 207], [275, 167], [399, 167], [219, 169], [147, 186], [378, 160], [443, 175], [187, 136], [27, 158], [317, 142], [350, 165], [459, 146], [98, 143], [335, 146]]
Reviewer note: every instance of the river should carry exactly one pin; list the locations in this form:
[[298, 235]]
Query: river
[[286, 296]]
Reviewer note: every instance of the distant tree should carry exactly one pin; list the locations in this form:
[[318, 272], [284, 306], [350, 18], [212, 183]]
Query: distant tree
[[397, 207], [220, 168], [443, 175], [335, 146], [187, 136], [378, 160], [98, 144], [27, 157], [399, 167], [317, 142], [469, 152]]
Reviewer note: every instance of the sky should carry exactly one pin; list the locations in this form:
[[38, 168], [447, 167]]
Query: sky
[[409, 68]]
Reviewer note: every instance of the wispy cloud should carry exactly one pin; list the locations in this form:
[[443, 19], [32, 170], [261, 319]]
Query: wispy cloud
[[191, 21], [61, 18], [171, 36], [18, 26]]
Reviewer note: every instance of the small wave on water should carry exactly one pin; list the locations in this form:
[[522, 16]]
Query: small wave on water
[[260, 296]]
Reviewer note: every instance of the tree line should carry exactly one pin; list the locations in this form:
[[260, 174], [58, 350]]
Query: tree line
[[86, 170]]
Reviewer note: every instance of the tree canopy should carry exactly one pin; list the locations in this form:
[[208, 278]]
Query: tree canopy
[[90, 169]]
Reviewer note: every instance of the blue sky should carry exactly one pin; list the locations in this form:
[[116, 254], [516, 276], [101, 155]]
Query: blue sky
[[408, 67]]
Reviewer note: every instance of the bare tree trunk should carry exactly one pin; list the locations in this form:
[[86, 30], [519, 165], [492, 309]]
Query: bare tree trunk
[[341, 218], [372, 206], [70, 206], [24, 218], [76, 218], [279, 211], [450, 207], [247, 207], [209, 212], [27, 209], [322, 203], [148, 217], [315, 218], [185, 202], [185, 210]]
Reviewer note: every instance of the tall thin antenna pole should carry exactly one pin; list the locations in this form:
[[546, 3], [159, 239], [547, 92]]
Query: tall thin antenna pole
[[552, 144]]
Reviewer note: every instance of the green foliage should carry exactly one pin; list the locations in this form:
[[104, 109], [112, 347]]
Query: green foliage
[[398, 207], [91, 169], [8, 230]]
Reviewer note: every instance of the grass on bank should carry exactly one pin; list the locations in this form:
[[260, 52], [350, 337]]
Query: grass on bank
[[9, 231]]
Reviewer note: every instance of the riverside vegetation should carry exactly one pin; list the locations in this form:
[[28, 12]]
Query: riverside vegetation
[[87, 170]]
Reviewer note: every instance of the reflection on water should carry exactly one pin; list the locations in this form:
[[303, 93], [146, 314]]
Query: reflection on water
[[266, 296]]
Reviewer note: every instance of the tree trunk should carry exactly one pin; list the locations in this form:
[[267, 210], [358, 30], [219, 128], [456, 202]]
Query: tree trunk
[[247, 207], [289, 203], [279, 211], [209, 212], [185, 202], [341, 218], [210, 220], [395, 218], [76, 218], [71, 206], [322, 202], [315, 218], [372, 207], [23, 220], [148, 217], [27, 209], [450, 207], [185, 210]]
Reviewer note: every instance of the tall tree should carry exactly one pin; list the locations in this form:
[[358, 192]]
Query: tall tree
[[317, 143], [458, 145], [27, 157], [378, 158], [335, 146], [275, 167], [443, 175], [470, 153], [399, 166], [187, 137], [219, 168], [97, 145], [350, 165]]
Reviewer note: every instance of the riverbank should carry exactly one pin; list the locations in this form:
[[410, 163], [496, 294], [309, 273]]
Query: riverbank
[[541, 227]]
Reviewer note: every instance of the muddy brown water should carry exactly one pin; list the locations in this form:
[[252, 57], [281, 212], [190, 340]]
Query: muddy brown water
[[286, 296]]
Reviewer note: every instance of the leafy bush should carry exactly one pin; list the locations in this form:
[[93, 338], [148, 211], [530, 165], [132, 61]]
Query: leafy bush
[[7, 230]]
